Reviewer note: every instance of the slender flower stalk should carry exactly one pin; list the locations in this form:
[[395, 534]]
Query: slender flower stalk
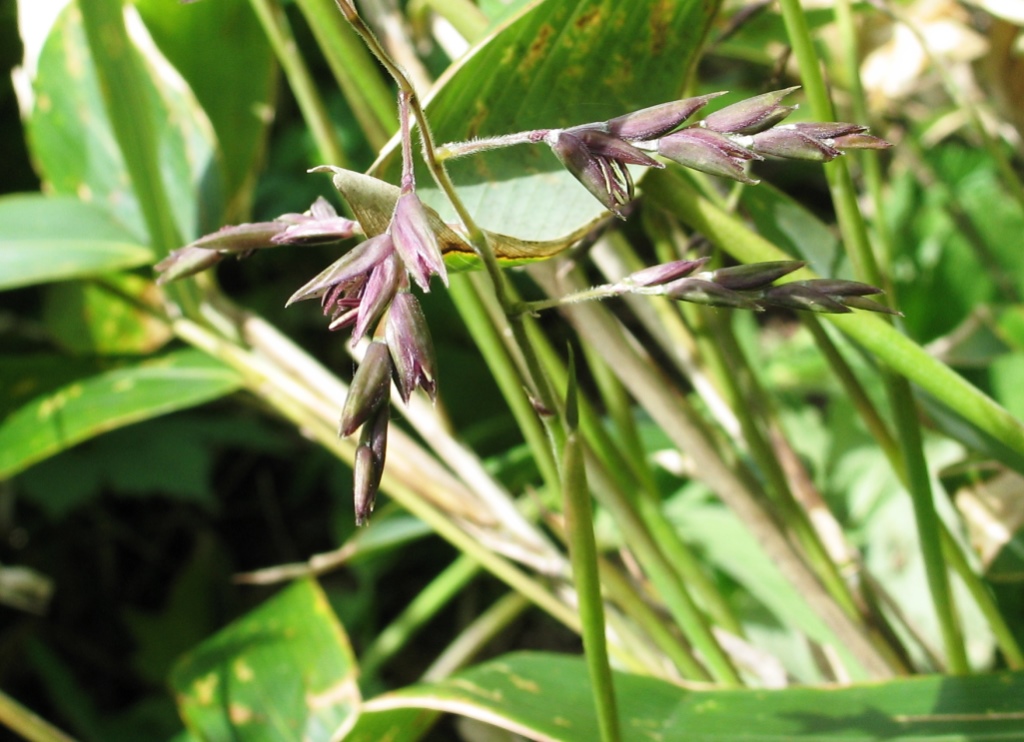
[[737, 287], [598, 154], [454, 150]]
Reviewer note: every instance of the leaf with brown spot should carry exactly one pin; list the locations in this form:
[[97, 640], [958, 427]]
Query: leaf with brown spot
[[546, 696], [556, 64], [299, 679]]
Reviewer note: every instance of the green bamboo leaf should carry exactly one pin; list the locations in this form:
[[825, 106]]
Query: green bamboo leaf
[[557, 64], [234, 84], [544, 697], [75, 149], [54, 239], [394, 725], [284, 671], [58, 418], [94, 317]]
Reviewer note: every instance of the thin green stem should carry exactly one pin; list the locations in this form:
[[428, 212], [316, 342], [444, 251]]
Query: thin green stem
[[369, 98], [473, 638], [579, 527], [908, 433], [901, 398], [25, 723], [673, 569], [869, 160], [435, 596], [472, 307], [844, 195], [983, 598], [671, 564], [619, 409], [314, 112], [636, 606]]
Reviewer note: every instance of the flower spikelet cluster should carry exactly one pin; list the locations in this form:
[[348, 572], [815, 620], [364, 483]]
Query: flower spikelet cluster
[[724, 143]]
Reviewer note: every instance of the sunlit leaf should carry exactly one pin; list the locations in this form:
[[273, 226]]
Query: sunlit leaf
[[373, 201], [394, 725], [59, 418], [546, 697], [235, 90], [53, 239], [74, 146], [284, 671], [87, 317]]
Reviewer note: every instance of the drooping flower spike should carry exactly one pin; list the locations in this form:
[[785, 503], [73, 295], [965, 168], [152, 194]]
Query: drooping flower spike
[[320, 225], [723, 143], [752, 287]]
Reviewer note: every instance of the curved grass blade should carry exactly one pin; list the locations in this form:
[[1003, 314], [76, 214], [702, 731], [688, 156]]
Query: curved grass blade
[[86, 407], [544, 697]]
